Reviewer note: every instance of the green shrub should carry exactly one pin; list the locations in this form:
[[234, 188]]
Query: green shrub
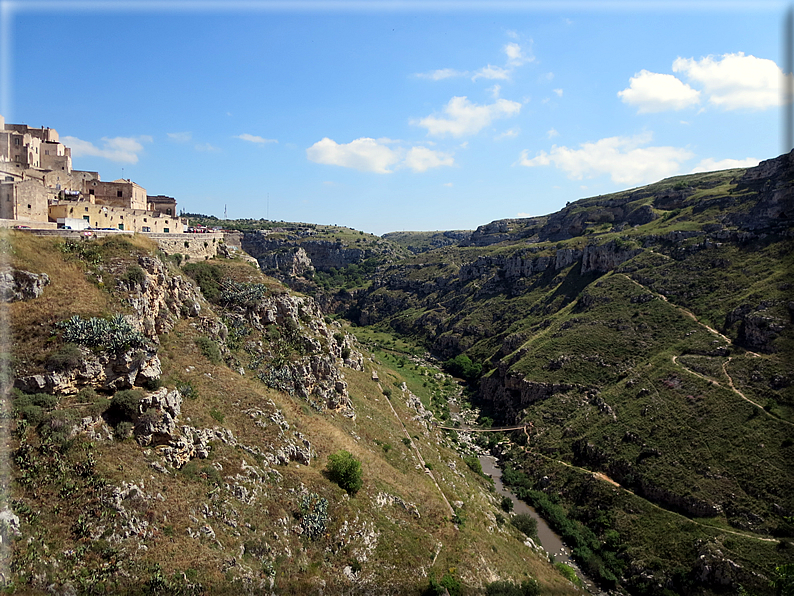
[[449, 584], [134, 276], [506, 504], [123, 430], [209, 348], [207, 276], [125, 403], [217, 415], [66, 357], [462, 366], [568, 573], [406, 441], [474, 464], [528, 587], [525, 523], [345, 470]]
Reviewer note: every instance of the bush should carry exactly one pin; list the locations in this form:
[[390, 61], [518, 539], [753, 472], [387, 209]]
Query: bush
[[67, 357], [528, 587], [209, 348], [474, 464], [135, 276], [526, 523], [506, 504], [345, 470], [208, 277], [125, 404], [462, 366], [449, 584]]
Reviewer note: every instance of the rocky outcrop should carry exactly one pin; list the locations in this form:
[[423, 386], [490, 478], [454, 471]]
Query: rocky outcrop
[[606, 257], [292, 261], [157, 421], [17, 284], [109, 371], [509, 392], [160, 299], [757, 327]]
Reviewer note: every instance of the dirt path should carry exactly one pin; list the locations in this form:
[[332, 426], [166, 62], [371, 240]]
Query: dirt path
[[686, 312], [732, 387], [419, 455], [605, 478]]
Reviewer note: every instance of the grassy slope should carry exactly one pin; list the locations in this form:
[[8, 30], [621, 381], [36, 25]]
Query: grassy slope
[[60, 491]]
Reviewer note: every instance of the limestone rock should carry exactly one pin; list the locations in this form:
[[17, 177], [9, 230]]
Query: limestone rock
[[16, 284]]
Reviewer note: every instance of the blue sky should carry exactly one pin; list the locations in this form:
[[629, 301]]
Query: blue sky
[[396, 116]]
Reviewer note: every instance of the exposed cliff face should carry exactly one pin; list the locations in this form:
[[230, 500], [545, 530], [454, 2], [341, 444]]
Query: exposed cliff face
[[295, 254]]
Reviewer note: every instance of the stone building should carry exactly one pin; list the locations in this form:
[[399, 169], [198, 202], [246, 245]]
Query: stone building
[[38, 186]]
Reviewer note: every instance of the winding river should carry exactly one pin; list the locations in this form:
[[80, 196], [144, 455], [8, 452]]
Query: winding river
[[550, 541]]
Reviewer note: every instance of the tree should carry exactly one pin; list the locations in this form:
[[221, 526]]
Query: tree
[[345, 470]]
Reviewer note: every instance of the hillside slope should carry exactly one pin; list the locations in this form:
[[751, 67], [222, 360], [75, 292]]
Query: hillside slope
[[645, 336], [166, 439]]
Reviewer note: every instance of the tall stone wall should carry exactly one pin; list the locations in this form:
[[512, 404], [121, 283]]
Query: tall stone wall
[[195, 247]]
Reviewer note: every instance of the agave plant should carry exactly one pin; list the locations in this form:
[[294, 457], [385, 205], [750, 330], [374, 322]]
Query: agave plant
[[114, 334]]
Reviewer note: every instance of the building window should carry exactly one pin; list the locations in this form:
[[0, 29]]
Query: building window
[[146, 220], [91, 191], [87, 218], [168, 211], [16, 141], [46, 152], [29, 207], [121, 226], [86, 208], [118, 193]]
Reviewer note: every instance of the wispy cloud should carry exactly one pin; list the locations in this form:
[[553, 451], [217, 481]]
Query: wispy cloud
[[625, 159], [206, 147], [118, 149], [180, 137], [516, 56], [379, 156], [551, 133], [442, 73], [254, 139], [462, 117], [711, 165], [508, 134]]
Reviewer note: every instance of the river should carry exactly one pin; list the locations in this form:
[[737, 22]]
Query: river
[[550, 541]]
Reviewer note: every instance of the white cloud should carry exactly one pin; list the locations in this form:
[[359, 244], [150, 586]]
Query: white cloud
[[466, 118], [495, 91], [551, 133], [180, 137], [511, 34], [623, 158], [364, 154], [254, 138], [442, 73], [508, 134], [516, 55], [421, 159], [655, 92], [374, 155], [492, 72], [448, 184], [118, 149], [206, 147], [712, 165], [558, 92], [734, 81]]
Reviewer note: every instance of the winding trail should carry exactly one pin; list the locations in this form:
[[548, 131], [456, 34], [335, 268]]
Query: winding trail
[[732, 387], [605, 478]]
